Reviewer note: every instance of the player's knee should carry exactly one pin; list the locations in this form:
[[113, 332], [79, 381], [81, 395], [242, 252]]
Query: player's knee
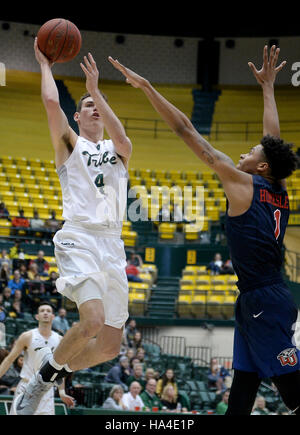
[[90, 328]]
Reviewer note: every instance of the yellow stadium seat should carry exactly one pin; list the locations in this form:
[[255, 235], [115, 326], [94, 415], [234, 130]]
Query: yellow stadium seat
[[198, 305], [167, 230], [184, 305], [5, 226]]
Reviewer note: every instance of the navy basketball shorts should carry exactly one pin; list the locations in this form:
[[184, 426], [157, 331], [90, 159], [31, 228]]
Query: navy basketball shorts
[[263, 339]]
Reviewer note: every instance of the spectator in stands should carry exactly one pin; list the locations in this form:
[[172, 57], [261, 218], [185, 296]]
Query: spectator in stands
[[137, 341], [52, 223], [7, 300], [4, 274], [222, 406], [16, 253], [32, 272], [130, 353], [60, 322], [18, 306], [132, 273], [259, 407], [37, 224], [42, 264], [4, 258], [50, 284], [16, 282], [217, 376], [168, 378], [2, 312], [135, 260], [12, 376], [132, 400], [137, 376], [23, 271], [4, 213], [3, 386], [114, 401], [36, 292], [215, 265], [227, 268], [149, 374], [20, 222], [119, 373], [130, 330], [149, 396], [132, 363], [169, 399]]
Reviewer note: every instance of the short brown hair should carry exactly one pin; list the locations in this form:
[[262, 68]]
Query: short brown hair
[[79, 104]]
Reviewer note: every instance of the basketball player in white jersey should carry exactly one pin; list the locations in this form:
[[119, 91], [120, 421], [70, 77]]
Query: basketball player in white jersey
[[89, 250], [30, 342]]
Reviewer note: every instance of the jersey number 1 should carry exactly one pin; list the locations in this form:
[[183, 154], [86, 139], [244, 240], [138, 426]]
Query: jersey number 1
[[277, 216]]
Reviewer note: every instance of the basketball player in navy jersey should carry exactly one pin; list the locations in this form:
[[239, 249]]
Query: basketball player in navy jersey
[[257, 216]]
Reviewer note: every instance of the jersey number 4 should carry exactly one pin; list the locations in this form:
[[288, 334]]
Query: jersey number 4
[[277, 216], [99, 180]]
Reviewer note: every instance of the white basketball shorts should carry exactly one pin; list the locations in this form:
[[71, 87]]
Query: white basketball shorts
[[92, 265]]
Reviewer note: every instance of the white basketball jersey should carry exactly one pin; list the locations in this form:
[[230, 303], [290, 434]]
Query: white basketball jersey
[[37, 342], [94, 185]]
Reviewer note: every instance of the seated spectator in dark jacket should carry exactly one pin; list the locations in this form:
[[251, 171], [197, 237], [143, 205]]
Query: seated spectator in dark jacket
[[149, 397], [169, 399], [17, 283], [50, 284], [119, 373], [18, 306], [7, 300], [215, 266], [217, 376], [227, 268], [60, 322], [42, 264], [4, 213], [4, 274], [137, 376], [130, 331]]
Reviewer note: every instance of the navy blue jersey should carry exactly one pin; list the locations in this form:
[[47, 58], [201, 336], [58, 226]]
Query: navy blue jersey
[[255, 238]]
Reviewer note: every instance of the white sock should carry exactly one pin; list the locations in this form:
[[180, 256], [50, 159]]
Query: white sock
[[67, 368], [54, 364]]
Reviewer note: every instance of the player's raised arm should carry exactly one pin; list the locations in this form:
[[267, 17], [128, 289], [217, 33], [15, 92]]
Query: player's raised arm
[[111, 122], [266, 78], [178, 122], [63, 137], [21, 343]]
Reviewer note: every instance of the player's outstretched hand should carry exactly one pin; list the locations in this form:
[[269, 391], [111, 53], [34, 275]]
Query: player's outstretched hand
[[131, 77], [268, 72], [91, 72]]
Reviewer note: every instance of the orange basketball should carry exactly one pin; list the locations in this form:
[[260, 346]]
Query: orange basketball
[[59, 40]]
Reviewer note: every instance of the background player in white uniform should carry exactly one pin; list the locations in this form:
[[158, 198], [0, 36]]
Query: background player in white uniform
[[89, 250], [30, 342]]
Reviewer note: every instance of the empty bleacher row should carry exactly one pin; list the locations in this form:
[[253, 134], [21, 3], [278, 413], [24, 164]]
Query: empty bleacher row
[[202, 295]]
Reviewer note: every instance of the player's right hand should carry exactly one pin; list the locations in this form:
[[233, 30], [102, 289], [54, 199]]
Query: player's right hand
[[131, 77], [40, 57]]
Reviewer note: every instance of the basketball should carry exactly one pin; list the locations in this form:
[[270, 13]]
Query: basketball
[[59, 40]]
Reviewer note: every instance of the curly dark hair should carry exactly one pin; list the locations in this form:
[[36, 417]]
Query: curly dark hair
[[280, 156]]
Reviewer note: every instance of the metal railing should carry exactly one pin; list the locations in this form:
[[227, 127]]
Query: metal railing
[[242, 129]]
